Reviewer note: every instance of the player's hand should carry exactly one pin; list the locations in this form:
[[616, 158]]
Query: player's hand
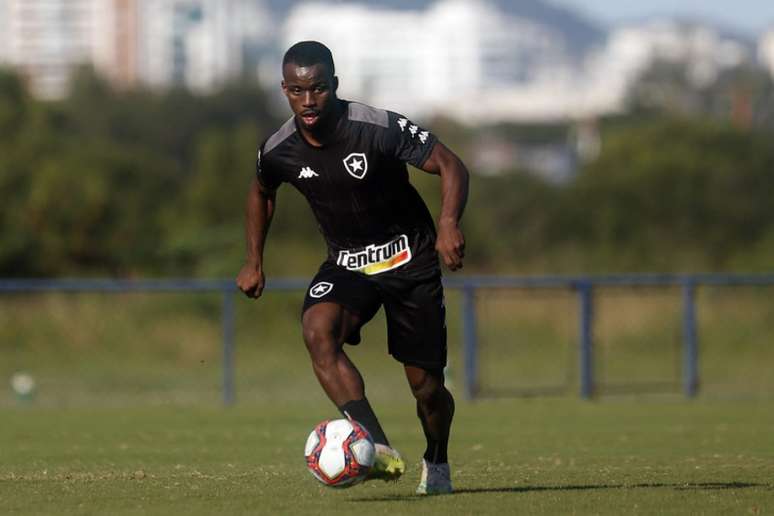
[[251, 280], [450, 245]]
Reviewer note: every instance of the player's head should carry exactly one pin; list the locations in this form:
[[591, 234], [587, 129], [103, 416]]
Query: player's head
[[309, 82]]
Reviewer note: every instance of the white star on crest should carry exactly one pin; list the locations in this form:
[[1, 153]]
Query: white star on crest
[[320, 289], [356, 165]]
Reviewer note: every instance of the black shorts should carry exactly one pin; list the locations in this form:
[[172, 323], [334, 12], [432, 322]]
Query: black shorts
[[415, 311]]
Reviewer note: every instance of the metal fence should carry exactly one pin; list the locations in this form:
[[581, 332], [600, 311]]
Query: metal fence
[[471, 289]]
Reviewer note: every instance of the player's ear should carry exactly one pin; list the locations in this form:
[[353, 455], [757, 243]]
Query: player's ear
[[335, 83], [284, 86]]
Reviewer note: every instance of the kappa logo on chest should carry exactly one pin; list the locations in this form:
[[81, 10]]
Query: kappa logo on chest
[[356, 165], [307, 173]]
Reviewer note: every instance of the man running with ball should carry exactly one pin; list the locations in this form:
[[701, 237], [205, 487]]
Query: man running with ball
[[349, 161]]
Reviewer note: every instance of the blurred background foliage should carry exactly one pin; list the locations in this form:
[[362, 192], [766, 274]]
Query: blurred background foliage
[[142, 183]]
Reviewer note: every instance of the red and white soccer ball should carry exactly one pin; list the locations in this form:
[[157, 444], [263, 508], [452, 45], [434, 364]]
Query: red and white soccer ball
[[339, 453]]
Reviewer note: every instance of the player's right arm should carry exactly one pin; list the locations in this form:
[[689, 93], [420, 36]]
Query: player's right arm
[[258, 214]]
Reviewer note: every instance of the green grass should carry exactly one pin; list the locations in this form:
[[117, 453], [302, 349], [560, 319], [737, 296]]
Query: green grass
[[508, 457], [127, 417]]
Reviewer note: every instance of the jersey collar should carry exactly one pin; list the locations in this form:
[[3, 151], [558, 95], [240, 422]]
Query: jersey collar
[[337, 133]]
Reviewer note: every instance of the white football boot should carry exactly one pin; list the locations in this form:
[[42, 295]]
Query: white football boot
[[435, 479]]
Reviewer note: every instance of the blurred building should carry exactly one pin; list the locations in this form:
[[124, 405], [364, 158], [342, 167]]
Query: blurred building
[[115, 53], [3, 31], [452, 58], [471, 60], [44, 39], [766, 51], [47, 39], [704, 51], [196, 43]]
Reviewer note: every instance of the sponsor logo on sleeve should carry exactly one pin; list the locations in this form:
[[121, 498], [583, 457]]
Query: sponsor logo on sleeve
[[377, 258]]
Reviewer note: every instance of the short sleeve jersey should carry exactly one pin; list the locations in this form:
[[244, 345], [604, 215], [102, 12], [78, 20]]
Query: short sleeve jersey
[[357, 185]]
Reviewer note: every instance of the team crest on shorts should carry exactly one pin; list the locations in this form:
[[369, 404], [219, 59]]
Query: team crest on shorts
[[320, 289], [356, 164]]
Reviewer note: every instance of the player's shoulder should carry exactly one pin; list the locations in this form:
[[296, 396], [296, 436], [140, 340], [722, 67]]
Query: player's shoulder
[[359, 112], [282, 135], [377, 118]]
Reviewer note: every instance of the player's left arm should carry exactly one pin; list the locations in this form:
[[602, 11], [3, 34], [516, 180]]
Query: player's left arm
[[450, 242]]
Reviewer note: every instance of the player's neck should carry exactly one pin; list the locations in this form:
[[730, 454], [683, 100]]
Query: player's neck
[[326, 131]]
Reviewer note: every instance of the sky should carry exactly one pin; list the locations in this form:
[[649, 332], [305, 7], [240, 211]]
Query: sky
[[749, 16]]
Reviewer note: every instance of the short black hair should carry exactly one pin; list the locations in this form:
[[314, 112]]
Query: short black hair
[[308, 53]]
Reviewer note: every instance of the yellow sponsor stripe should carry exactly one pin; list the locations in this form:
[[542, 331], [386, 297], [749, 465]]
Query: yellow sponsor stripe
[[387, 264]]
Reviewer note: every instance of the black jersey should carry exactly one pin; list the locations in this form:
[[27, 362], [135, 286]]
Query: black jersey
[[372, 218]]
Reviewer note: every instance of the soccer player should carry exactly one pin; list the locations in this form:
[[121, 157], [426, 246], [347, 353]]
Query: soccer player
[[349, 161]]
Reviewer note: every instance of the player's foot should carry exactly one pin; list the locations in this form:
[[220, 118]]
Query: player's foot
[[435, 479], [388, 464]]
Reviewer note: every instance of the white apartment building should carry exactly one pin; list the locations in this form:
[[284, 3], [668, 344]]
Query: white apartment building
[[703, 51], [460, 58], [44, 39], [467, 59], [197, 43], [766, 51], [3, 32], [632, 49], [447, 59]]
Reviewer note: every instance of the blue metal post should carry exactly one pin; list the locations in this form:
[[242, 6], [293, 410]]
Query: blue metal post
[[470, 341], [228, 347], [690, 344], [586, 355]]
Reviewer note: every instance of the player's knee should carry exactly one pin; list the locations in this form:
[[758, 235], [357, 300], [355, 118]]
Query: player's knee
[[427, 388], [317, 337]]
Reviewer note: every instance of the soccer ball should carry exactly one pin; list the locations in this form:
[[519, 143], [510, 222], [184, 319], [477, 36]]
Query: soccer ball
[[339, 453], [23, 385]]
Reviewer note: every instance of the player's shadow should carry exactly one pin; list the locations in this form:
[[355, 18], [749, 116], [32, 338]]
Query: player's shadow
[[695, 486]]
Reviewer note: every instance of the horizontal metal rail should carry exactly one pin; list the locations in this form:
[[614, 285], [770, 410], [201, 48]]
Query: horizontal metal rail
[[454, 282], [469, 286]]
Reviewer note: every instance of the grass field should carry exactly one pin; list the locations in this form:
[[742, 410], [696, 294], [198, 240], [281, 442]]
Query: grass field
[[127, 419], [508, 457]]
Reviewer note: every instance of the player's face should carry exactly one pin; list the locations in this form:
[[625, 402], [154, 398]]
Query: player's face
[[311, 92]]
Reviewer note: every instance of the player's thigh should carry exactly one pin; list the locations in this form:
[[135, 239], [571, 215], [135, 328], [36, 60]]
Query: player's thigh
[[416, 323], [337, 304], [328, 323]]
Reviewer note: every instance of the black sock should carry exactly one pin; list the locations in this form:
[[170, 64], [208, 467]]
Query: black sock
[[435, 453], [361, 411]]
